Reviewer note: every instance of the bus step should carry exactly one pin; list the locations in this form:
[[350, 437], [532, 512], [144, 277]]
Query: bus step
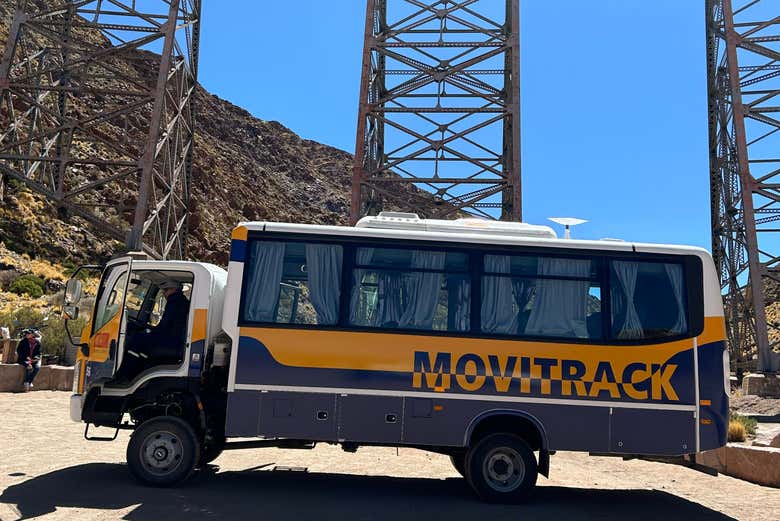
[[100, 438]]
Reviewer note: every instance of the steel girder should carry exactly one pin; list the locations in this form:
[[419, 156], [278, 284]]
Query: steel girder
[[440, 109], [743, 47], [96, 113]]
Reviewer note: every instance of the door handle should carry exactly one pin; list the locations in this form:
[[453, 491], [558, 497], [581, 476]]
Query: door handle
[[112, 349]]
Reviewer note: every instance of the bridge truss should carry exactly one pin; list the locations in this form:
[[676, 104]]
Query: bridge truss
[[743, 58], [439, 117], [96, 113]]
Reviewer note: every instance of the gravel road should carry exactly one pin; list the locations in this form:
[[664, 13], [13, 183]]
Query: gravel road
[[47, 469]]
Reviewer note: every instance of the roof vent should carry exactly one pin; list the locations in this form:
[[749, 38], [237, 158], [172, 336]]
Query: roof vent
[[398, 216], [410, 221]]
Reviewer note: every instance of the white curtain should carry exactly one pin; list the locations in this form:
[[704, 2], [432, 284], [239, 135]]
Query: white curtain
[[626, 273], [389, 306], [675, 274], [262, 295], [460, 289], [498, 302], [560, 306], [421, 290], [361, 311], [323, 265]]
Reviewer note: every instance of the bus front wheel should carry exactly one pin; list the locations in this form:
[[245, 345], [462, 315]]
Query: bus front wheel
[[163, 451], [501, 468]]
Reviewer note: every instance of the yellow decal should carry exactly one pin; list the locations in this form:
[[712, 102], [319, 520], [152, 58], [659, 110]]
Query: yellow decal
[[240, 233], [199, 325]]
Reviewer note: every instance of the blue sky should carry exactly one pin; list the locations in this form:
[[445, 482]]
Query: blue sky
[[614, 101]]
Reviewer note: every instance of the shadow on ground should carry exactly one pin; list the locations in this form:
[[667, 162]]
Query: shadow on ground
[[291, 495]]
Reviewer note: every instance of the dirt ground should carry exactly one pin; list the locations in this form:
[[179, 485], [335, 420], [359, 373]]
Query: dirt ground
[[47, 469]]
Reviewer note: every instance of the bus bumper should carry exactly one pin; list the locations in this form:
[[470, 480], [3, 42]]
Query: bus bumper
[[75, 407]]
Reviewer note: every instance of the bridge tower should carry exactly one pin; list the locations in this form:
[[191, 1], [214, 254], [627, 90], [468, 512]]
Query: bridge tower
[[743, 60], [96, 113], [439, 117]]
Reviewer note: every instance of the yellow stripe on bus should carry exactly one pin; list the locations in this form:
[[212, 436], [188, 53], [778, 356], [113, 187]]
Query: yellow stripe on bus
[[396, 352]]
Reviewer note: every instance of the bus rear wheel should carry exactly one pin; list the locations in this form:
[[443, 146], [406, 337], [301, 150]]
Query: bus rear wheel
[[163, 451], [501, 468]]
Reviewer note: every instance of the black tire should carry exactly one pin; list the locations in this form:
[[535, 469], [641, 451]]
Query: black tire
[[163, 451], [211, 452], [459, 462], [500, 456]]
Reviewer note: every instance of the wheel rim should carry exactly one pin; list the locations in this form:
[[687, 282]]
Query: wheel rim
[[161, 452], [503, 469]]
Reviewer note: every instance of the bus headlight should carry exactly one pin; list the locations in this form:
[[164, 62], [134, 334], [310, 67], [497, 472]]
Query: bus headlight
[[726, 372]]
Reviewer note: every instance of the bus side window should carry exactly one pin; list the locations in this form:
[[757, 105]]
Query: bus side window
[[524, 295], [293, 283], [648, 300], [394, 288]]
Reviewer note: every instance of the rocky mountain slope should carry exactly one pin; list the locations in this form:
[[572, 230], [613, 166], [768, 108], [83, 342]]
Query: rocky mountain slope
[[244, 169]]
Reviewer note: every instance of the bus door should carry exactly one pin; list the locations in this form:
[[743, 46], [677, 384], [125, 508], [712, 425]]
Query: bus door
[[108, 324]]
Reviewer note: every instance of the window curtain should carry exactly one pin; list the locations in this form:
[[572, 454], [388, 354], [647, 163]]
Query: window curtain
[[675, 274], [361, 311], [459, 289], [560, 306], [421, 290], [623, 300], [389, 306], [498, 302], [323, 265], [262, 295]]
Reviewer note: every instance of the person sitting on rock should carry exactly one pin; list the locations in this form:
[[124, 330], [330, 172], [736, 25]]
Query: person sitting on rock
[[28, 355]]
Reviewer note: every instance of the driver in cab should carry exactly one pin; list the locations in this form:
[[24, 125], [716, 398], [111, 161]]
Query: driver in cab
[[163, 343]]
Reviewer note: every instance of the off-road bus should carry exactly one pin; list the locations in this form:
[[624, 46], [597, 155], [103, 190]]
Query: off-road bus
[[496, 344]]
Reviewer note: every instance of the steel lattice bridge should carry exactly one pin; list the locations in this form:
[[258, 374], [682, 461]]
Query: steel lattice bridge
[[743, 59], [440, 109], [96, 113]]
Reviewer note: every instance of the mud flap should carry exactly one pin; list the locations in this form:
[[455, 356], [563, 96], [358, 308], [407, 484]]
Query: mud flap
[[544, 463]]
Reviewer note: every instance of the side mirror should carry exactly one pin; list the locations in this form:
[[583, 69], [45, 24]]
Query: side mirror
[[70, 312], [73, 291]]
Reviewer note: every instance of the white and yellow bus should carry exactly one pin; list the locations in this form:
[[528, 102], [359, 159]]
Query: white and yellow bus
[[494, 343]]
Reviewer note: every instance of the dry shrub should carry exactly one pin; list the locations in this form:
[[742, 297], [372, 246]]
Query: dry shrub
[[47, 270], [7, 277], [737, 431]]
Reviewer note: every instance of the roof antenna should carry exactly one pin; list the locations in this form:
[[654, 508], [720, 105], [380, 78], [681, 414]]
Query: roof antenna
[[567, 223]]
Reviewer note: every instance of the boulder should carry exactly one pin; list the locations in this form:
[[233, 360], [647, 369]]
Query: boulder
[[42, 380], [755, 464], [767, 435], [11, 377], [9, 352], [50, 377], [766, 385], [759, 465], [61, 378]]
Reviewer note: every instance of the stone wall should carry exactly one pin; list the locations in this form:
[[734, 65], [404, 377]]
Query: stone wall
[[49, 378], [765, 385], [759, 465]]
